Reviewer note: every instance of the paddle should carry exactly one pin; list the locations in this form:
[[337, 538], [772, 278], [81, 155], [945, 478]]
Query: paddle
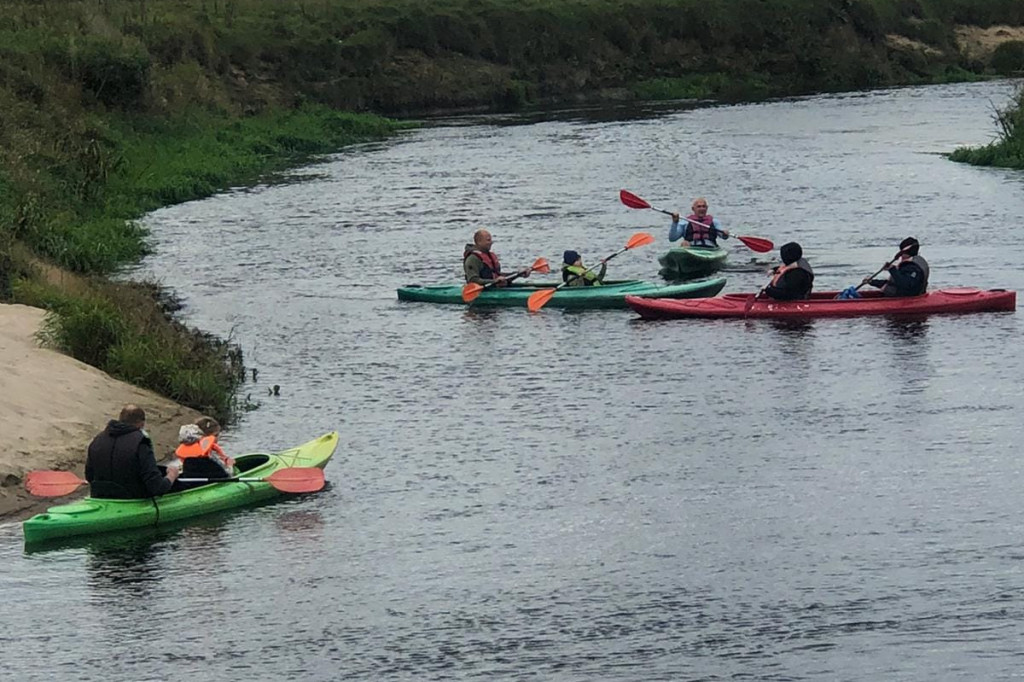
[[750, 304], [851, 292], [539, 299], [290, 480], [474, 289], [758, 244]]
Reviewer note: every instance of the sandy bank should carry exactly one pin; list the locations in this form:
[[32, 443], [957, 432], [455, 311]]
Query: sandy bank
[[52, 405]]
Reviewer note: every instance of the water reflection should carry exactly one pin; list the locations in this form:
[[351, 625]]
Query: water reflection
[[488, 449], [908, 352], [120, 566]]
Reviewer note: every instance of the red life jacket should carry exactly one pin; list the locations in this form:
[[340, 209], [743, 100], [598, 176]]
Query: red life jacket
[[701, 230], [491, 268]]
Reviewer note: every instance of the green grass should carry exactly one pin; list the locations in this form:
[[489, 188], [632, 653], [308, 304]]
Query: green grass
[[1008, 150], [111, 108]]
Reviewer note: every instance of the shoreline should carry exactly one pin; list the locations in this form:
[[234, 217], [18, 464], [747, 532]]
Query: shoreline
[[52, 405]]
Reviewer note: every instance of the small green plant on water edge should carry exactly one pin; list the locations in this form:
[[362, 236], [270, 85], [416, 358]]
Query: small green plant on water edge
[[1008, 150]]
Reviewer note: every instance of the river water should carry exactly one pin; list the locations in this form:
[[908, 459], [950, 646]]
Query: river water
[[582, 495]]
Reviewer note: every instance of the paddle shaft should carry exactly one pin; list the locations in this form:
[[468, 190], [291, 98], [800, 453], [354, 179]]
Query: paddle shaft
[[881, 270], [590, 269], [233, 479], [508, 279]]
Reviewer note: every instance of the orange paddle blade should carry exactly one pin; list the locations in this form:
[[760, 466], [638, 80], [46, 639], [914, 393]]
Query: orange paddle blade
[[297, 479], [471, 291], [639, 239], [539, 299], [632, 200], [52, 483], [758, 244], [541, 265]]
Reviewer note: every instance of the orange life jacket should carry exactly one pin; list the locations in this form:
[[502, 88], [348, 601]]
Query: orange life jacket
[[201, 448], [782, 271]]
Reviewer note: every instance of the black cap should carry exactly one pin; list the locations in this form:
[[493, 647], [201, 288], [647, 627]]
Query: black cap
[[910, 246], [791, 253]]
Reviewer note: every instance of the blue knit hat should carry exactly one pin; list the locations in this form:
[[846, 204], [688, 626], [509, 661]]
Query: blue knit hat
[[570, 257]]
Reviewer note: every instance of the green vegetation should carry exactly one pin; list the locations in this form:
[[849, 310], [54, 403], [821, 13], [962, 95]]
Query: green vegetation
[[1008, 150], [110, 108]]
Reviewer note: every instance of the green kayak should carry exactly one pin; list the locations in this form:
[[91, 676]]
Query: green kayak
[[93, 515], [691, 261], [611, 295]]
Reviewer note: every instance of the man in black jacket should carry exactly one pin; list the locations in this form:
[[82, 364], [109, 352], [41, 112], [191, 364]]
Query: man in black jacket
[[121, 463], [907, 278]]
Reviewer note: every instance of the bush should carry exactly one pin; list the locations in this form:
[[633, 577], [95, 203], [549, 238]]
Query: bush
[[1008, 58]]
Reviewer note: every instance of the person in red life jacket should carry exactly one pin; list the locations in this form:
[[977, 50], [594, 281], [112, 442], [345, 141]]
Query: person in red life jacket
[[700, 229], [909, 277], [199, 452], [481, 264], [794, 279], [121, 463]]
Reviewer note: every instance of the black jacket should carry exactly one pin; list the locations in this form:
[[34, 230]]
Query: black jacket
[[909, 278], [121, 464], [794, 285]]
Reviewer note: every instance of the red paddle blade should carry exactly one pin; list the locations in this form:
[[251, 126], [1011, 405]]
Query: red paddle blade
[[297, 479], [639, 239], [539, 299], [471, 291], [541, 265], [52, 483], [632, 200], [758, 244]]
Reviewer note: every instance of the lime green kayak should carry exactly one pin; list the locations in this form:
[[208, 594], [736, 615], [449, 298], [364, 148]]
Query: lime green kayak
[[691, 261], [611, 295], [95, 515]]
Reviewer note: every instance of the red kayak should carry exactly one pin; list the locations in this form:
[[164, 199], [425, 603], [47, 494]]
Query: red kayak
[[825, 304]]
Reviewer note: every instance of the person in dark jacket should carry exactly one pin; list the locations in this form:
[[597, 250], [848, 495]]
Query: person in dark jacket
[[909, 277], [121, 463], [794, 280]]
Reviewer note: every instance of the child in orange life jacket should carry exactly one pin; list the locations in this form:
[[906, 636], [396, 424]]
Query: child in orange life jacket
[[199, 452]]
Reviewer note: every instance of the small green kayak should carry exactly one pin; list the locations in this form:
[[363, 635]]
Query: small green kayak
[[94, 515], [611, 295], [691, 261]]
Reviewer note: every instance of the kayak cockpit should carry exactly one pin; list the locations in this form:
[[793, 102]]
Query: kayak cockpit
[[249, 462]]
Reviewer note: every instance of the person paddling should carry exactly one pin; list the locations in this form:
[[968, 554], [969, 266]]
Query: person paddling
[[701, 229], [481, 265], [909, 277], [794, 279], [577, 275]]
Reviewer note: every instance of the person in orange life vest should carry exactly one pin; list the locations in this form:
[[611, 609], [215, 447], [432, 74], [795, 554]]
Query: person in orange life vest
[[909, 277], [794, 279], [481, 264], [199, 452], [700, 229]]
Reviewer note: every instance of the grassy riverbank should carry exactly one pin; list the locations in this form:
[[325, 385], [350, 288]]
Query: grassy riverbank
[[110, 108], [1008, 150], [71, 204]]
